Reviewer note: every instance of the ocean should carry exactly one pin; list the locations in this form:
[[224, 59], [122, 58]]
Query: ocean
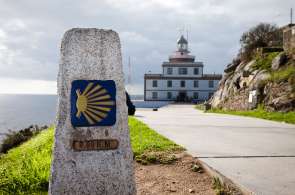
[[20, 111]]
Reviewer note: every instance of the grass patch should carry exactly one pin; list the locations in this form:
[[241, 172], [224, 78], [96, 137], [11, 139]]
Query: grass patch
[[283, 74], [200, 107], [149, 146], [288, 117], [144, 139], [219, 187], [260, 112], [26, 168], [264, 63], [15, 138]]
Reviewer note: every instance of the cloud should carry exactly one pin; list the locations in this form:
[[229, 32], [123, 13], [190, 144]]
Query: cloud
[[27, 86], [31, 31], [134, 37]]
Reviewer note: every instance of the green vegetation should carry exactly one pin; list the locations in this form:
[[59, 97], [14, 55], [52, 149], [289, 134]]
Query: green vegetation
[[283, 74], [288, 117], [144, 139], [150, 147], [200, 106], [14, 139], [264, 63], [259, 36], [219, 188], [25, 169]]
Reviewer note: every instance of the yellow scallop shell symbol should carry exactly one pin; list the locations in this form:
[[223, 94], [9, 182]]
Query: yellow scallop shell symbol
[[94, 103]]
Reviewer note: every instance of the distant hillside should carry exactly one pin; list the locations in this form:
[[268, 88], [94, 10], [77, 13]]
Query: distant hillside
[[268, 79]]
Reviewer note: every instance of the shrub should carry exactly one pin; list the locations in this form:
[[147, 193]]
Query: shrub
[[14, 139], [218, 187], [261, 35]]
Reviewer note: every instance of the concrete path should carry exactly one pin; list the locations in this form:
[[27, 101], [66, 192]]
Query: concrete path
[[257, 154]]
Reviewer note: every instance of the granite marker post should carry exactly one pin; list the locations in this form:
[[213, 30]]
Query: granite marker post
[[92, 152]]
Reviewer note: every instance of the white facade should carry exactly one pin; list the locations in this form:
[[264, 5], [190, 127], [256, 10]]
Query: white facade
[[191, 85], [190, 70], [182, 79], [162, 89]]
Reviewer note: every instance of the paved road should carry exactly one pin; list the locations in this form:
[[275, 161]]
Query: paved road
[[254, 153]]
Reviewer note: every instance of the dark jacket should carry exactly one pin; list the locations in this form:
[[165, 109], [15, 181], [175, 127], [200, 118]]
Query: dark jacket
[[131, 107]]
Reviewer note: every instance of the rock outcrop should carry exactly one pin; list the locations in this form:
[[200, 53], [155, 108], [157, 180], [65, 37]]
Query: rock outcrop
[[278, 61], [268, 80]]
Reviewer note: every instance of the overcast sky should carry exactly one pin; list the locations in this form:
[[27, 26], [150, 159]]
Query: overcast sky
[[31, 32]]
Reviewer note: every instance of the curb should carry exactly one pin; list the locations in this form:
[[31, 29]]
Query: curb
[[235, 188]]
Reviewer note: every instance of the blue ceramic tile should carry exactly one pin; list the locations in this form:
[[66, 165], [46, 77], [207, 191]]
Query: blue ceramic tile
[[93, 103]]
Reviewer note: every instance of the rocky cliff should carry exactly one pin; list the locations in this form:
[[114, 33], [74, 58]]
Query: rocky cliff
[[267, 80]]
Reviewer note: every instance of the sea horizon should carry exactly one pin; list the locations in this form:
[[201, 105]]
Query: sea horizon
[[19, 111]]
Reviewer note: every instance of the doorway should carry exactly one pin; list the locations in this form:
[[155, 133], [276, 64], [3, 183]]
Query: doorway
[[182, 96]]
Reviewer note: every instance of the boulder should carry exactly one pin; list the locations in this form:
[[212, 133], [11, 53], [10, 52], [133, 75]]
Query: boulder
[[259, 79], [216, 99], [278, 61], [236, 80], [283, 104], [248, 66], [279, 97], [232, 66]]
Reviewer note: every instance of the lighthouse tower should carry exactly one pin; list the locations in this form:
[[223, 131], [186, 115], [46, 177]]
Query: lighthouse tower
[[182, 79]]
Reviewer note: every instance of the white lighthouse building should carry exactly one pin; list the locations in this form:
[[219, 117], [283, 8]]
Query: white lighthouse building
[[182, 79]]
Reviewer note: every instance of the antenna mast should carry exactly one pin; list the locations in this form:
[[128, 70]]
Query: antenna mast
[[180, 30], [291, 16], [187, 32], [187, 35], [129, 75]]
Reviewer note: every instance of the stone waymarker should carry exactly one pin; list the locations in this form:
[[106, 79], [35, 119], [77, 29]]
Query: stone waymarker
[[92, 153]]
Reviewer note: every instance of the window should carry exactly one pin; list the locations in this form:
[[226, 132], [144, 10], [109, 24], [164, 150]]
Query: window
[[196, 70], [196, 95], [169, 71], [169, 83], [169, 95], [155, 83], [211, 84], [196, 84], [155, 95], [182, 83], [182, 71]]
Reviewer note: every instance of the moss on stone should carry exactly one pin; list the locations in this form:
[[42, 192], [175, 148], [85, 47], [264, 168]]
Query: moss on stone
[[264, 63]]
